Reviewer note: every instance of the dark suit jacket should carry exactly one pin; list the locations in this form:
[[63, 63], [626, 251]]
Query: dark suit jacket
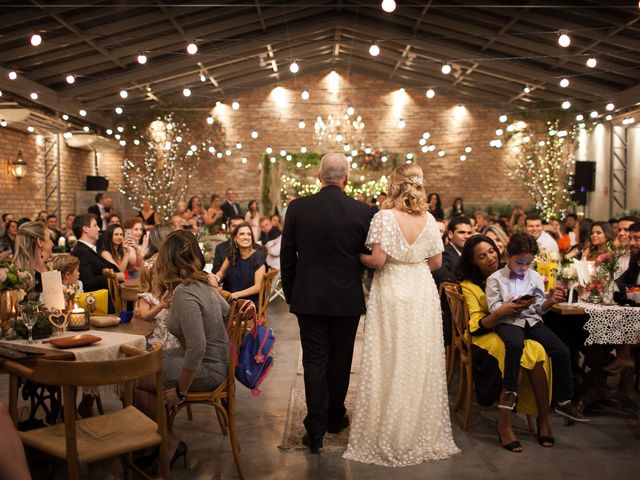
[[446, 273], [91, 265], [227, 210], [321, 271], [270, 235], [96, 211]]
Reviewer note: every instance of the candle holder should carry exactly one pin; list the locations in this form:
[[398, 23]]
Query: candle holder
[[78, 319], [58, 319]]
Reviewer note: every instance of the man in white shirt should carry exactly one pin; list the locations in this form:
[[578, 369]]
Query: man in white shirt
[[533, 227]]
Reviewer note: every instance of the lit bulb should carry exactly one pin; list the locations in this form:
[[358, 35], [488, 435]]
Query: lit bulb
[[409, 156], [424, 149], [430, 93], [402, 123], [446, 69], [124, 94], [467, 149], [142, 58], [108, 131], [526, 90], [254, 134], [227, 152], [120, 128], [499, 132], [283, 153], [305, 95], [70, 79], [592, 62], [67, 135], [502, 118], [210, 120], [186, 92], [65, 117], [203, 78], [123, 142], [608, 118], [13, 75], [31, 129], [384, 159], [119, 110], [269, 150], [136, 142], [610, 106], [235, 105], [219, 154], [3, 123], [388, 5], [593, 114], [426, 135], [579, 117], [463, 158], [303, 149], [239, 146], [422, 141], [566, 104], [564, 83], [301, 124], [441, 153], [294, 68], [564, 40], [33, 95], [374, 50], [350, 110], [192, 49], [212, 149], [36, 39], [83, 112]]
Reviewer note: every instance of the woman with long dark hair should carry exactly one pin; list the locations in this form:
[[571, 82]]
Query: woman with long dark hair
[[114, 250], [435, 206], [457, 208]]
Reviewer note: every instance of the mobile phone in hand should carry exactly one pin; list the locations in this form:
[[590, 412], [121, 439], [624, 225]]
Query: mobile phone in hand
[[526, 298]]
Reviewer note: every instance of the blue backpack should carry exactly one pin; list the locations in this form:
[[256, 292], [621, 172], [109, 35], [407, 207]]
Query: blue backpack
[[255, 357]]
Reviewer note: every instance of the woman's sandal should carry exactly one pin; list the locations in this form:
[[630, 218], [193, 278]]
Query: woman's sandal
[[515, 446], [544, 440]]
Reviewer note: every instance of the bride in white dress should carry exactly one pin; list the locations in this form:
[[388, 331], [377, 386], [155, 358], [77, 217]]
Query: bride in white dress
[[401, 414]]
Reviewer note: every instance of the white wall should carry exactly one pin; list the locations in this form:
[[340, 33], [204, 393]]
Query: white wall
[[596, 146]]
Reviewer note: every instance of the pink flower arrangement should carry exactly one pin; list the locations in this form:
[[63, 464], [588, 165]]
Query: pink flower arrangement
[[603, 258]]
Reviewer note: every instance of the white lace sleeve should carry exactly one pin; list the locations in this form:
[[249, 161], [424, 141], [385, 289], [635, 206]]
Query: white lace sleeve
[[379, 231], [434, 239]]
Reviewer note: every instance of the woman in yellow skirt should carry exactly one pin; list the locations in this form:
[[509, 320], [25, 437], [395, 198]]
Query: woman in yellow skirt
[[479, 259]]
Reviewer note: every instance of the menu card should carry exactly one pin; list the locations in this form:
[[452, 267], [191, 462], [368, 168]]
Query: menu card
[[52, 290]]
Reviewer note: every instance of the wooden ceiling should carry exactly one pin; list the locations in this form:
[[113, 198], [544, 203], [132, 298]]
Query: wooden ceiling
[[495, 50]]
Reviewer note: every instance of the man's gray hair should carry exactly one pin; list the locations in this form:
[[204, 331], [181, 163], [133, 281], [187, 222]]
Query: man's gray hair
[[334, 167]]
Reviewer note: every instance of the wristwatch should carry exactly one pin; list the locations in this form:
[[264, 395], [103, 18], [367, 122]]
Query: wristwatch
[[181, 396]]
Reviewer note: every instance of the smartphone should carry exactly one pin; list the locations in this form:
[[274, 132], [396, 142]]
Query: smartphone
[[128, 233], [526, 298]]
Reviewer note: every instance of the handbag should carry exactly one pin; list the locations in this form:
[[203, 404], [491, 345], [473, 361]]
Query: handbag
[[96, 302]]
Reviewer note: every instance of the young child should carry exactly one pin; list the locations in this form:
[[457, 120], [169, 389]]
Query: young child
[[69, 268], [517, 283], [151, 309]]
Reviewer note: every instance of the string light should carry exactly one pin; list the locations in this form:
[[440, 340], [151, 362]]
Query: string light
[[82, 112], [30, 129], [210, 120], [71, 79], [33, 95], [402, 123], [594, 114], [526, 90], [463, 158], [374, 50], [350, 110], [36, 39], [67, 135], [3, 123], [301, 124], [303, 149], [269, 150], [119, 110], [235, 105], [254, 134], [579, 117], [503, 118], [142, 58], [86, 129], [203, 78], [446, 69], [441, 153], [238, 146], [566, 105], [186, 92], [610, 107], [468, 149], [124, 94], [608, 118], [430, 93], [305, 94], [426, 135], [192, 48], [65, 117], [294, 68], [564, 40], [388, 5], [13, 75], [564, 83], [592, 62]]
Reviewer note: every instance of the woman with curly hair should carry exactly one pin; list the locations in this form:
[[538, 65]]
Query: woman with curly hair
[[401, 415]]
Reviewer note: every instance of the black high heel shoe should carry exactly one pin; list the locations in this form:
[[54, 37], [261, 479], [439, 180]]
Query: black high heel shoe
[[544, 440], [181, 451], [515, 446]]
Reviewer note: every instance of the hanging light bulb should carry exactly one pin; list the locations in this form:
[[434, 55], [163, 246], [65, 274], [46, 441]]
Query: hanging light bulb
[[269, 150], [33, 95], [83, 112], [566, 105], [446, 69], [124, 94], [594, 114], [70, 79], [388, 5], [303, 149], [119, 110], [192, 48], [254, 134], [30, 129], [186, 92], [610, 107], [67, 135], [579, 117], [210, 120], [294, 68], [36, 39], [305, 94], [13, 75], [301, 124], [564, 40], [374, 50], [564, 83], [502, 118], [592, 62], [65, 117], [235, 105], [526, 90], [430, 93], [350, 110], [203, 78], [142, 58]]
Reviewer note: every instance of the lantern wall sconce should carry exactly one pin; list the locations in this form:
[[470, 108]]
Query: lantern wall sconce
[[18, 167]]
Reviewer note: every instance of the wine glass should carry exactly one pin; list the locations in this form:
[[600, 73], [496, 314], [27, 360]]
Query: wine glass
[[30, 318]]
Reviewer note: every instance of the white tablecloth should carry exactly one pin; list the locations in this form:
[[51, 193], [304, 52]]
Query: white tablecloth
[[611, 324]]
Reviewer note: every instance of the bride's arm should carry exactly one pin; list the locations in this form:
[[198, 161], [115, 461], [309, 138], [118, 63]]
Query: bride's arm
[[376, 259], [435, 262]]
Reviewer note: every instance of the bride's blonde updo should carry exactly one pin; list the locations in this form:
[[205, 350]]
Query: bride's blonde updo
[[406, 192]]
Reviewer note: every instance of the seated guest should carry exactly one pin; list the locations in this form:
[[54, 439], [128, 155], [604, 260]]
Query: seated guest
[[177, 222], [601, 237], [457, 208], [614, 225], [67, 228], [34, 249], [42, 217], [194, 214], [622, 240], [159, 233], [533, 227], [69, 268], [223, 248], [273, 252], [500, 238], [115, 219], [517, 283], [5, 219], [85, 229], [8, 240], [561, 237], [569, 224], [435, 206], [114, 251], [269, 232], [148, 215], [135, 238], [197, 318], [244, 266], [213, 216], [480, 259], [52, 225], [252, 217], [581, 232], [482, 220], [277, 223]]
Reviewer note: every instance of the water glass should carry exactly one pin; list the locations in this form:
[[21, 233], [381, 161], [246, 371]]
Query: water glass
[[30, 319]]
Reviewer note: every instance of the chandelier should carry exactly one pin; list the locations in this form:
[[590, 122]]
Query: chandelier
[[346, 129]]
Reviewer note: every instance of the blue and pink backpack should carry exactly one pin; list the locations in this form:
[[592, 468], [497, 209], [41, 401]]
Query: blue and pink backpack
[[255, 358]]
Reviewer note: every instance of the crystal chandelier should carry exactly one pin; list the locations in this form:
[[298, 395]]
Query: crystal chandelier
[[346, 129]]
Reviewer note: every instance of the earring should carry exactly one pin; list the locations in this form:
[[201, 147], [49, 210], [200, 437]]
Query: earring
[[42, 253]]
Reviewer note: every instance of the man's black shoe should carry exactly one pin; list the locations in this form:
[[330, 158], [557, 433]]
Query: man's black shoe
[[314, 442], [341, 425]]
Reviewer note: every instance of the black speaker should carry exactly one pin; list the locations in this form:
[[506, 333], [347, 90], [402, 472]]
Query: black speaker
[[97, 183], [585, 176]]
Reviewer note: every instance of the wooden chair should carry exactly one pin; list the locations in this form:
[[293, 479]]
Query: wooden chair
[[113, 283], [223, 398], [461, 348], [451, 351], [115, 434], [265, 293]]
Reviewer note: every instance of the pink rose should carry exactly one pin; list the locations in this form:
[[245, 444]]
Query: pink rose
[[3, 274], [605, 257]]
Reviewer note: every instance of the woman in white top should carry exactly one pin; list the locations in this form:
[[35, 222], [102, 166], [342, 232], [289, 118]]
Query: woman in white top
[[252, 217]]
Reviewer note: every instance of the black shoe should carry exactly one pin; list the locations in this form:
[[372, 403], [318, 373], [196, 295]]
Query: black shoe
[[314, 442], [341, 425]]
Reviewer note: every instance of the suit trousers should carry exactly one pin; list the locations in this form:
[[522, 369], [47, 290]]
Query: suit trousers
[[327, 351], [514, 336]]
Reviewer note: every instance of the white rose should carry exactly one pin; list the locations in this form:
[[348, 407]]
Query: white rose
[[62, 242]]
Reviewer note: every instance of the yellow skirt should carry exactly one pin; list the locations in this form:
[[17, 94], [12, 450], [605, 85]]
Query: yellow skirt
[[532, 353]]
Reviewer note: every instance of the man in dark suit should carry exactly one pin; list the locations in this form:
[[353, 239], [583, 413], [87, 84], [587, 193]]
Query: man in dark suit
[[229, 207], [99, 210], [321, 278], [458, 231], [85, 229], [268, 230]]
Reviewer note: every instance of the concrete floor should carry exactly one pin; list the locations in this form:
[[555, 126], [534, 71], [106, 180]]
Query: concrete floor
[[603, 449]]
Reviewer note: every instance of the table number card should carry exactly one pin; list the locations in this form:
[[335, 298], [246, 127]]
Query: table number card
[[52, 290]]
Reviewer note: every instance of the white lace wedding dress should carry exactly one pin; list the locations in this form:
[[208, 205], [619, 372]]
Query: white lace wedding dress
[[401, 415]]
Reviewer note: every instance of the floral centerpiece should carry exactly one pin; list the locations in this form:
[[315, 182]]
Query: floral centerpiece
[[567, 274], [546, 264], [602, 280], [14, 285]]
